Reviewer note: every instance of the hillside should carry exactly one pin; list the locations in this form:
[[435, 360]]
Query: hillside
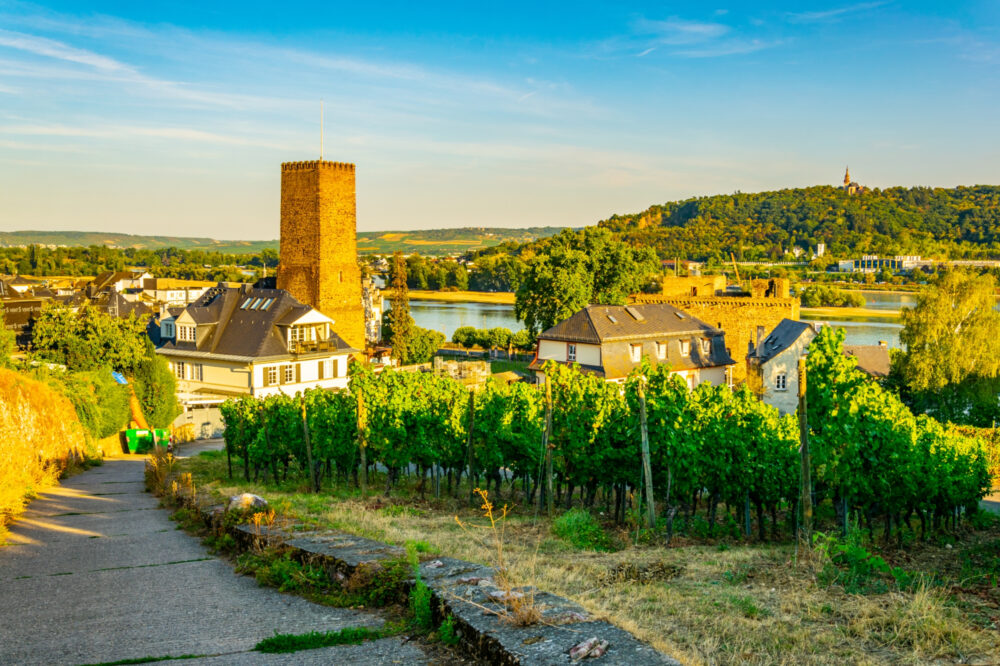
[[961, 222], [432, 241]]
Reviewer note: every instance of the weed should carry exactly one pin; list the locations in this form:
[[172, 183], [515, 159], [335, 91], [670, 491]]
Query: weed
[[379, 583], [519, 608], [749, 607], [148, 660], [159, 467], [580, 528], [261, 520], [739, 575], [447, 633], [396, 510], [285, 643]]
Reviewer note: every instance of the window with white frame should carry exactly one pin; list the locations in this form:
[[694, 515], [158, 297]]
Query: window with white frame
[[289, 374], [197, 371], [781, 381], [706, 346], [186, 333], [685, 347], [636, 353], [168, 329], [570, 351], [271, 376], [179, 369], [661, 350]]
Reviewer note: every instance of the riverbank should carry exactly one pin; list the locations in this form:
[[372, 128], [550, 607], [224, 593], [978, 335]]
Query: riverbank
[[851, 314], [493, 297]]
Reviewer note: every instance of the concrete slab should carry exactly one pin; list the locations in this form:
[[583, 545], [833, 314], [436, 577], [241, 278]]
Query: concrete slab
[[119, 581]]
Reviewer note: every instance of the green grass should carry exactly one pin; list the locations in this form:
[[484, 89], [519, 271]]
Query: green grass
[[148, 660], [285, 643], [579, 528]]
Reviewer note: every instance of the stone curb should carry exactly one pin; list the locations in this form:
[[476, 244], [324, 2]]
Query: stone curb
[[461, 589]]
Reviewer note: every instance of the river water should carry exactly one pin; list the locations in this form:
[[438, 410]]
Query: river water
[[446, 317]]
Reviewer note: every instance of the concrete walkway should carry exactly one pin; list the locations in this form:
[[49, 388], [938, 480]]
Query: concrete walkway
[[95, 572]]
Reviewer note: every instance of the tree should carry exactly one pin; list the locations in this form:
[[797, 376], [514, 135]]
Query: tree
[[422, 345], [8, 342], [951, 365], [554, 287], [402, 323], [90, 339], [155, 387]]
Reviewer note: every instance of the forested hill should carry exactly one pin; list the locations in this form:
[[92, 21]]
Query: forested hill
[[961, 222], [427, 241]]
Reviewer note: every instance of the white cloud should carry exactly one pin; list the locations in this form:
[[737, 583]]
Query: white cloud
[[833, 14], [680, 31], [124, 133]]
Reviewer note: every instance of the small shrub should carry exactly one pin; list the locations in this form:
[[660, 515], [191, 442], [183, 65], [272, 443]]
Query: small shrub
[[581, 529], [379, 583], [420, 606], [447, 633]]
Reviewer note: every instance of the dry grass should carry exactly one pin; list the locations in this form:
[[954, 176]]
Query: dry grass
[[496, 297], [702, 604], [40, 437]]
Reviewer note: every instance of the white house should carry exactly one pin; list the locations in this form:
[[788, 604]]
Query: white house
[[244, 341], [610, 341], [775, 362]]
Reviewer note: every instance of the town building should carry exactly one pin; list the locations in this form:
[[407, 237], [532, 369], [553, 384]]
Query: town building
[[610, 341], [772, 364], [172, 292], [850, 186], [251, 341], [119, 281], [738, 312]]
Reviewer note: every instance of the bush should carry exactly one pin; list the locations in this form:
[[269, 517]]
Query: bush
[[581, 529], [424, 343], [821, 296], [465, 336]]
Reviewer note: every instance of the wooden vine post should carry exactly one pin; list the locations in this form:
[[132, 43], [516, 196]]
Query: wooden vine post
[[313, 478], [547, 438], [362, 442], [805, 462], [647, 468], [472, 425]]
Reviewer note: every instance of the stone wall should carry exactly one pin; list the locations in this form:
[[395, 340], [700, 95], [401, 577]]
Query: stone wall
[[737, 316], [318, 256]]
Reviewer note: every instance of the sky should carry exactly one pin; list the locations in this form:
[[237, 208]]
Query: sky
[[173, 118]]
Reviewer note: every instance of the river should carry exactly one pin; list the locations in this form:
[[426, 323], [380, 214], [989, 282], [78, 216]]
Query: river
[[446, 317]]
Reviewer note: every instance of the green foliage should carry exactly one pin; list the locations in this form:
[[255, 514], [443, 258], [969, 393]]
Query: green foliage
[[821, 296], [574, 269], [285, 643], [447, 633], [400, 323], [961, 221], [492, 338], [580, 528], [951, 365], [423, 345], [8, 342], [155, 387], [849, 564], [89, 339], [420, 606], [101, 404]]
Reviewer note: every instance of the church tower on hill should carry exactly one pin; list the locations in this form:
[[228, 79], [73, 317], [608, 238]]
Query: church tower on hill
[[318, 258], [849, 185]]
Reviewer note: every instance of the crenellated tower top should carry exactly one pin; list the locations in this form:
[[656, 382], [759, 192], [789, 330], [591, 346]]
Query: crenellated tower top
[[316, 164]]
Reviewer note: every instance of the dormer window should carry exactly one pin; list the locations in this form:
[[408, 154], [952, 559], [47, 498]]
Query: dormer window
[[186, 333], [706, 346], [168, 329], [685, 347]]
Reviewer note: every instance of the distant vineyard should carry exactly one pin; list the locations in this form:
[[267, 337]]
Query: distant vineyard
[[708, 446]]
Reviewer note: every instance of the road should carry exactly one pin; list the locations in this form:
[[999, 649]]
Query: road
[[95, 571]]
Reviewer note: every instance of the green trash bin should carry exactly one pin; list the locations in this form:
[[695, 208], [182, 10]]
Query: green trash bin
[[140, 440]]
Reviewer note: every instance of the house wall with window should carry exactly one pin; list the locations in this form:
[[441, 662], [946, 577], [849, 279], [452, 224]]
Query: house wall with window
[[780, 376], [557, 350], [625, 355], [291, 376]]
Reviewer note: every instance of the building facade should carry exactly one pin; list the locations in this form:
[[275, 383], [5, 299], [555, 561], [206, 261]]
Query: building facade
[[773, 363], [254, 342], [611, 341]]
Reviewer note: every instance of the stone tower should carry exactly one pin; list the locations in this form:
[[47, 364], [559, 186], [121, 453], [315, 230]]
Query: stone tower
[[847, 176], [318, 261]]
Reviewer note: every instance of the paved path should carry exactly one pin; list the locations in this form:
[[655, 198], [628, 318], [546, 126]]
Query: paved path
[[95, 572]]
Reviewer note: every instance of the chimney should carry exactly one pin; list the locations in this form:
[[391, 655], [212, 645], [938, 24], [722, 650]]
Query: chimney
[[883, 343], [760, 335]]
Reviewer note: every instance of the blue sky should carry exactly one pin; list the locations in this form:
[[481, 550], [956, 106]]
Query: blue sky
[[173, 118]]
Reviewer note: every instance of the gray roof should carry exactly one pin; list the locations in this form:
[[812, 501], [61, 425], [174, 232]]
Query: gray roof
[[597, 324], [246, 333], [872, 359], [781, 338]]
